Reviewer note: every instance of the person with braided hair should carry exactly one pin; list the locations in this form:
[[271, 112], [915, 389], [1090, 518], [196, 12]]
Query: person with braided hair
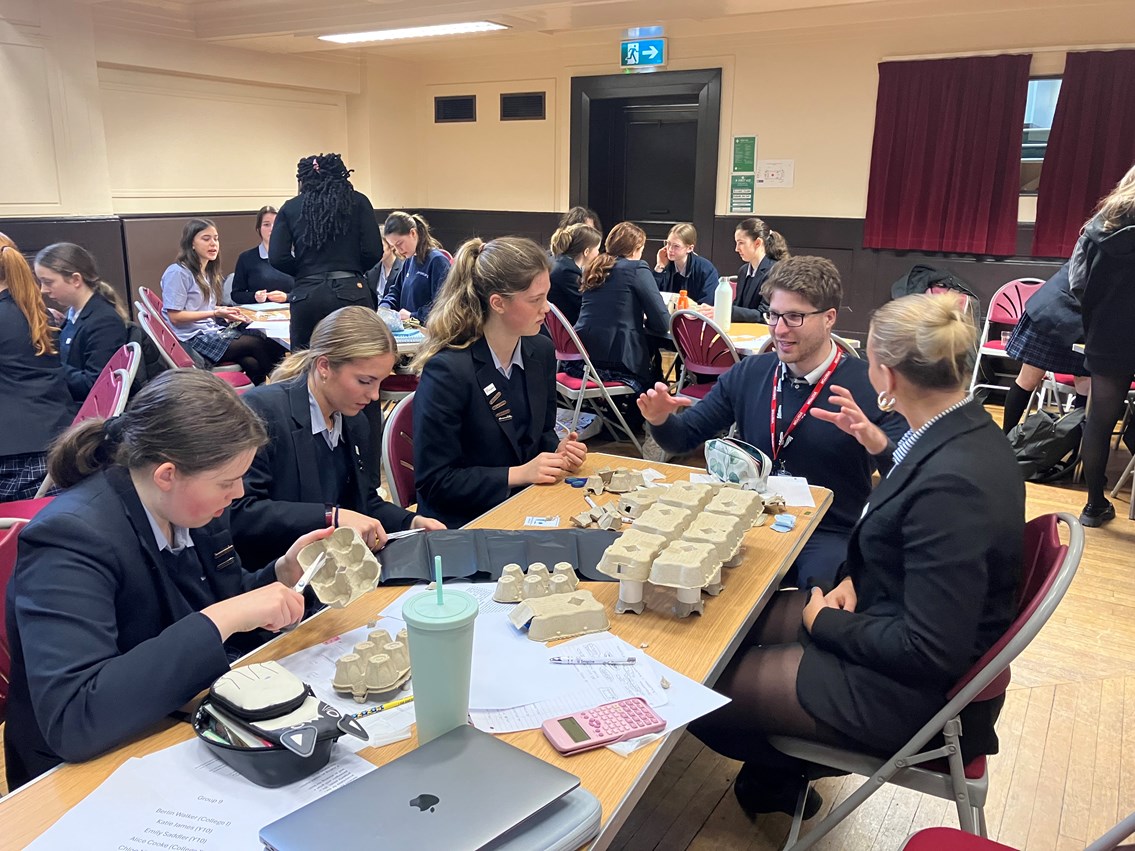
[[326, 238]]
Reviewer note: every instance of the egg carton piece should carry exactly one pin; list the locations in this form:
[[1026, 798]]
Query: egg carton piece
[[630, 555], [688, 495], [350, 571], [605, 474], [374, 667], [560, 616], [725, 531], [685, 564], [610, 519], [669, 521], [748, 505], [688, 602], [583, 519], [624, 481], [594, 485], [775, 504], [514, 586], [538, 568], [565, 569], [636, 502], [533, 586]]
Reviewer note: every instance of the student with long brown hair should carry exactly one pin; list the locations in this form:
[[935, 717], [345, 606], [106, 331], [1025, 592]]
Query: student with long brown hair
[[485, 411], [37, 405], [621, 308], [413, 292], [573, 247], [95, 326], [761, 248], [128, 598], [191, 295], [318, 467]]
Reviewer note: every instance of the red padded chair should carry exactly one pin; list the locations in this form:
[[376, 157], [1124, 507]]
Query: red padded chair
[[396, 387], [575, 391], [157, 308], [7, 565], [1048, 568], [952, 839], [398, 453], [706, 352], [1006, 308], [174, 353]]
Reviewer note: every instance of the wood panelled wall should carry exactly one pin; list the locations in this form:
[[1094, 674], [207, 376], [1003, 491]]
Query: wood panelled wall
[[133, 251]]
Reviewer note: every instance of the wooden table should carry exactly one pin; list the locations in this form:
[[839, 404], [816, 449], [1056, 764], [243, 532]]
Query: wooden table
[[698, 646], [275, 324]]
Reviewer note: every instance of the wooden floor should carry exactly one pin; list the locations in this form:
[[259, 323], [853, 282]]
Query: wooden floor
[[1066, 771]]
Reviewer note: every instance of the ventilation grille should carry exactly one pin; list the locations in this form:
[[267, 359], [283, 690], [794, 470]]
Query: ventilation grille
[[522, 106], [455, 108]]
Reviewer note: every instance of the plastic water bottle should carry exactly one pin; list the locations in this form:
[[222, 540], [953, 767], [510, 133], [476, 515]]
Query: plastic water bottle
[[723, 304]]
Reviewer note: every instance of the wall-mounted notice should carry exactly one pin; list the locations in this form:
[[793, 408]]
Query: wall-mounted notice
[[744, 153], [775, 174], [741, 193]]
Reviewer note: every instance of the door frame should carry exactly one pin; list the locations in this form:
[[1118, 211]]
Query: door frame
[[705, 84]]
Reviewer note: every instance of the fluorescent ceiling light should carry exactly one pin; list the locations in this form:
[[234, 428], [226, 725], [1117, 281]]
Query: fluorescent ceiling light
[[415, 32]]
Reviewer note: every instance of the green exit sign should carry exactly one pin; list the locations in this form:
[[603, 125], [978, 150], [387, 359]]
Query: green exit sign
[[642, 52]]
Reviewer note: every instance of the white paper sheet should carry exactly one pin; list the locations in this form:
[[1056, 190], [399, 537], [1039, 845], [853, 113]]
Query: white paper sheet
[[794, 489], [267, 305], [185, 797]]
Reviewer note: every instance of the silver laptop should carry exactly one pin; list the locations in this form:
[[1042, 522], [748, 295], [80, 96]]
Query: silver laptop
[[460, 791]]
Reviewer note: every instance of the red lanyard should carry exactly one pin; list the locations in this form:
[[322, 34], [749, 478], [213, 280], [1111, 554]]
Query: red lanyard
[[778, 443]]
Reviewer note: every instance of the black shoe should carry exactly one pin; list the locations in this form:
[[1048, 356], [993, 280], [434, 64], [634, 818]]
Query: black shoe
[[1096, 515], [766, 791]]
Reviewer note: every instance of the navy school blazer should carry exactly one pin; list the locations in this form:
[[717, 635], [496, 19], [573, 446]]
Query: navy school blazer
[[564, 291], [283, 496], [103, 645], [87, 344], [699, 282], [749, 305], [462, 451], [416, 287]]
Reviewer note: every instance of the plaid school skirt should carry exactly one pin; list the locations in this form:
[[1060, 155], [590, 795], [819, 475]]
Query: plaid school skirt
[[21, 475], [1043, 351], [212, 345]]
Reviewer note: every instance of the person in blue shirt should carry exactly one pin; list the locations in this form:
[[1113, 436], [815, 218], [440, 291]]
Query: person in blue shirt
[[678, 268], [573, 247], [424, 270], [803, 374], [254, 278], [95, 326]]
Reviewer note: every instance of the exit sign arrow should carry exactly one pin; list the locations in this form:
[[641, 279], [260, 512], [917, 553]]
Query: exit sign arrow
[[650, 52]]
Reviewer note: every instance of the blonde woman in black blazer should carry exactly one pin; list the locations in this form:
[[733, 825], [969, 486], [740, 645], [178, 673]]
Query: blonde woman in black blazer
[[929, 583]]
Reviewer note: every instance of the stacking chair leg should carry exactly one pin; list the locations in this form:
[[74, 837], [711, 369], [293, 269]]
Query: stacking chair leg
[[1128, 473]]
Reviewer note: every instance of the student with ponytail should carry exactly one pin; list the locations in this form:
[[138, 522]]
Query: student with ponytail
[[326, 238], [485, 411], [37, 405], [621, 307], [96, 323], [413, 292], [573, 247], [318, 467], [761, 248], [128, 598]]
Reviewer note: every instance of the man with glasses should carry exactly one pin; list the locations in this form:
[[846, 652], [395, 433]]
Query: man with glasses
[[781, 403]]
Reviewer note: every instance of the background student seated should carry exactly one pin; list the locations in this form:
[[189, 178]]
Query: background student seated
[[95, 323], [929, 585], [37, 405], [255, 280], [573, 247], [318, 467], [801, 377], [128, 598], [424, 270], [678, 268], [761, 249], [485, 411]]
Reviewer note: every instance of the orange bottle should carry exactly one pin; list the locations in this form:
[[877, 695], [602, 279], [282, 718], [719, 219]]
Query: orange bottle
[[683, 300]]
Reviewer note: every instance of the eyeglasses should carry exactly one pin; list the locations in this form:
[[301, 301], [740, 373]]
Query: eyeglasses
[[792, 320]]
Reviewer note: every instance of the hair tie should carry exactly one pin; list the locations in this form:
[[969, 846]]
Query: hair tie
[[113, 429]]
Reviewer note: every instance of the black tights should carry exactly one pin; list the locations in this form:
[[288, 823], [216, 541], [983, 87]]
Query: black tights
[[1109, 392], [256, 355], [761, 681]]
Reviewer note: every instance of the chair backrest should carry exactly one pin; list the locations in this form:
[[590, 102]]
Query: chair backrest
[[227, 289], [567, 342], [398, 452], [1009, 302], [166, 341], [7, 565], [107, 397], [704, 347], [152, 300]]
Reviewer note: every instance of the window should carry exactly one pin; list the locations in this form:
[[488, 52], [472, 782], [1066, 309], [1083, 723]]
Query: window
[[1040, 107]]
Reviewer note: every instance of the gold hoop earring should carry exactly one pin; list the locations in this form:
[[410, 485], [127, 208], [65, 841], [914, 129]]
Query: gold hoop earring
[[884, 403]]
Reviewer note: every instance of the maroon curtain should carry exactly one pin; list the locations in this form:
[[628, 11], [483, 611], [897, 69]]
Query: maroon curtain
[[1091, 146], [946, 160]]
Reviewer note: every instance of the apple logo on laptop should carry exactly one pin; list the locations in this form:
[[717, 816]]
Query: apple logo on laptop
[[425, 802]]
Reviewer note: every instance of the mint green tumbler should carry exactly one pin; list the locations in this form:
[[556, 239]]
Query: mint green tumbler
[[441, 658]]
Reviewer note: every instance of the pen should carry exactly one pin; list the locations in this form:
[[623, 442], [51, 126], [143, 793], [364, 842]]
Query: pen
[[382, 707], [576, 660]]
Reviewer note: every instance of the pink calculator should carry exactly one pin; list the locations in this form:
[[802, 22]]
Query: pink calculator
[[603, 725]]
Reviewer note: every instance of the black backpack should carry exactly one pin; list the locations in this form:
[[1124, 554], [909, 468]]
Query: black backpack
[[1048, 447]]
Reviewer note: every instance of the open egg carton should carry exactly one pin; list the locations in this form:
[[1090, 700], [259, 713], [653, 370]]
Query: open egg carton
[[350, 571], [374, 667], [550, 604]]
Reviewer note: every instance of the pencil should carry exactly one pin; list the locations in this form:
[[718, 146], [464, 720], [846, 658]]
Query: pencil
[[382, 707]]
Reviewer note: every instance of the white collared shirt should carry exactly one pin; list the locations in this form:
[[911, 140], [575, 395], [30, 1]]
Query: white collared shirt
[[517, 360], [319, 424], [181, 538], [815, 375], [263, 249]]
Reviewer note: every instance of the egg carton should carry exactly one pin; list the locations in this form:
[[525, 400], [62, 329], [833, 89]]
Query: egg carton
[[748, 505], [691, 495], [635, 503], [350, 571], [685, 564], [669, 521], [606, 517], [631, 554], [725, 531], [514, 586], [375, 666], [560, 616]]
